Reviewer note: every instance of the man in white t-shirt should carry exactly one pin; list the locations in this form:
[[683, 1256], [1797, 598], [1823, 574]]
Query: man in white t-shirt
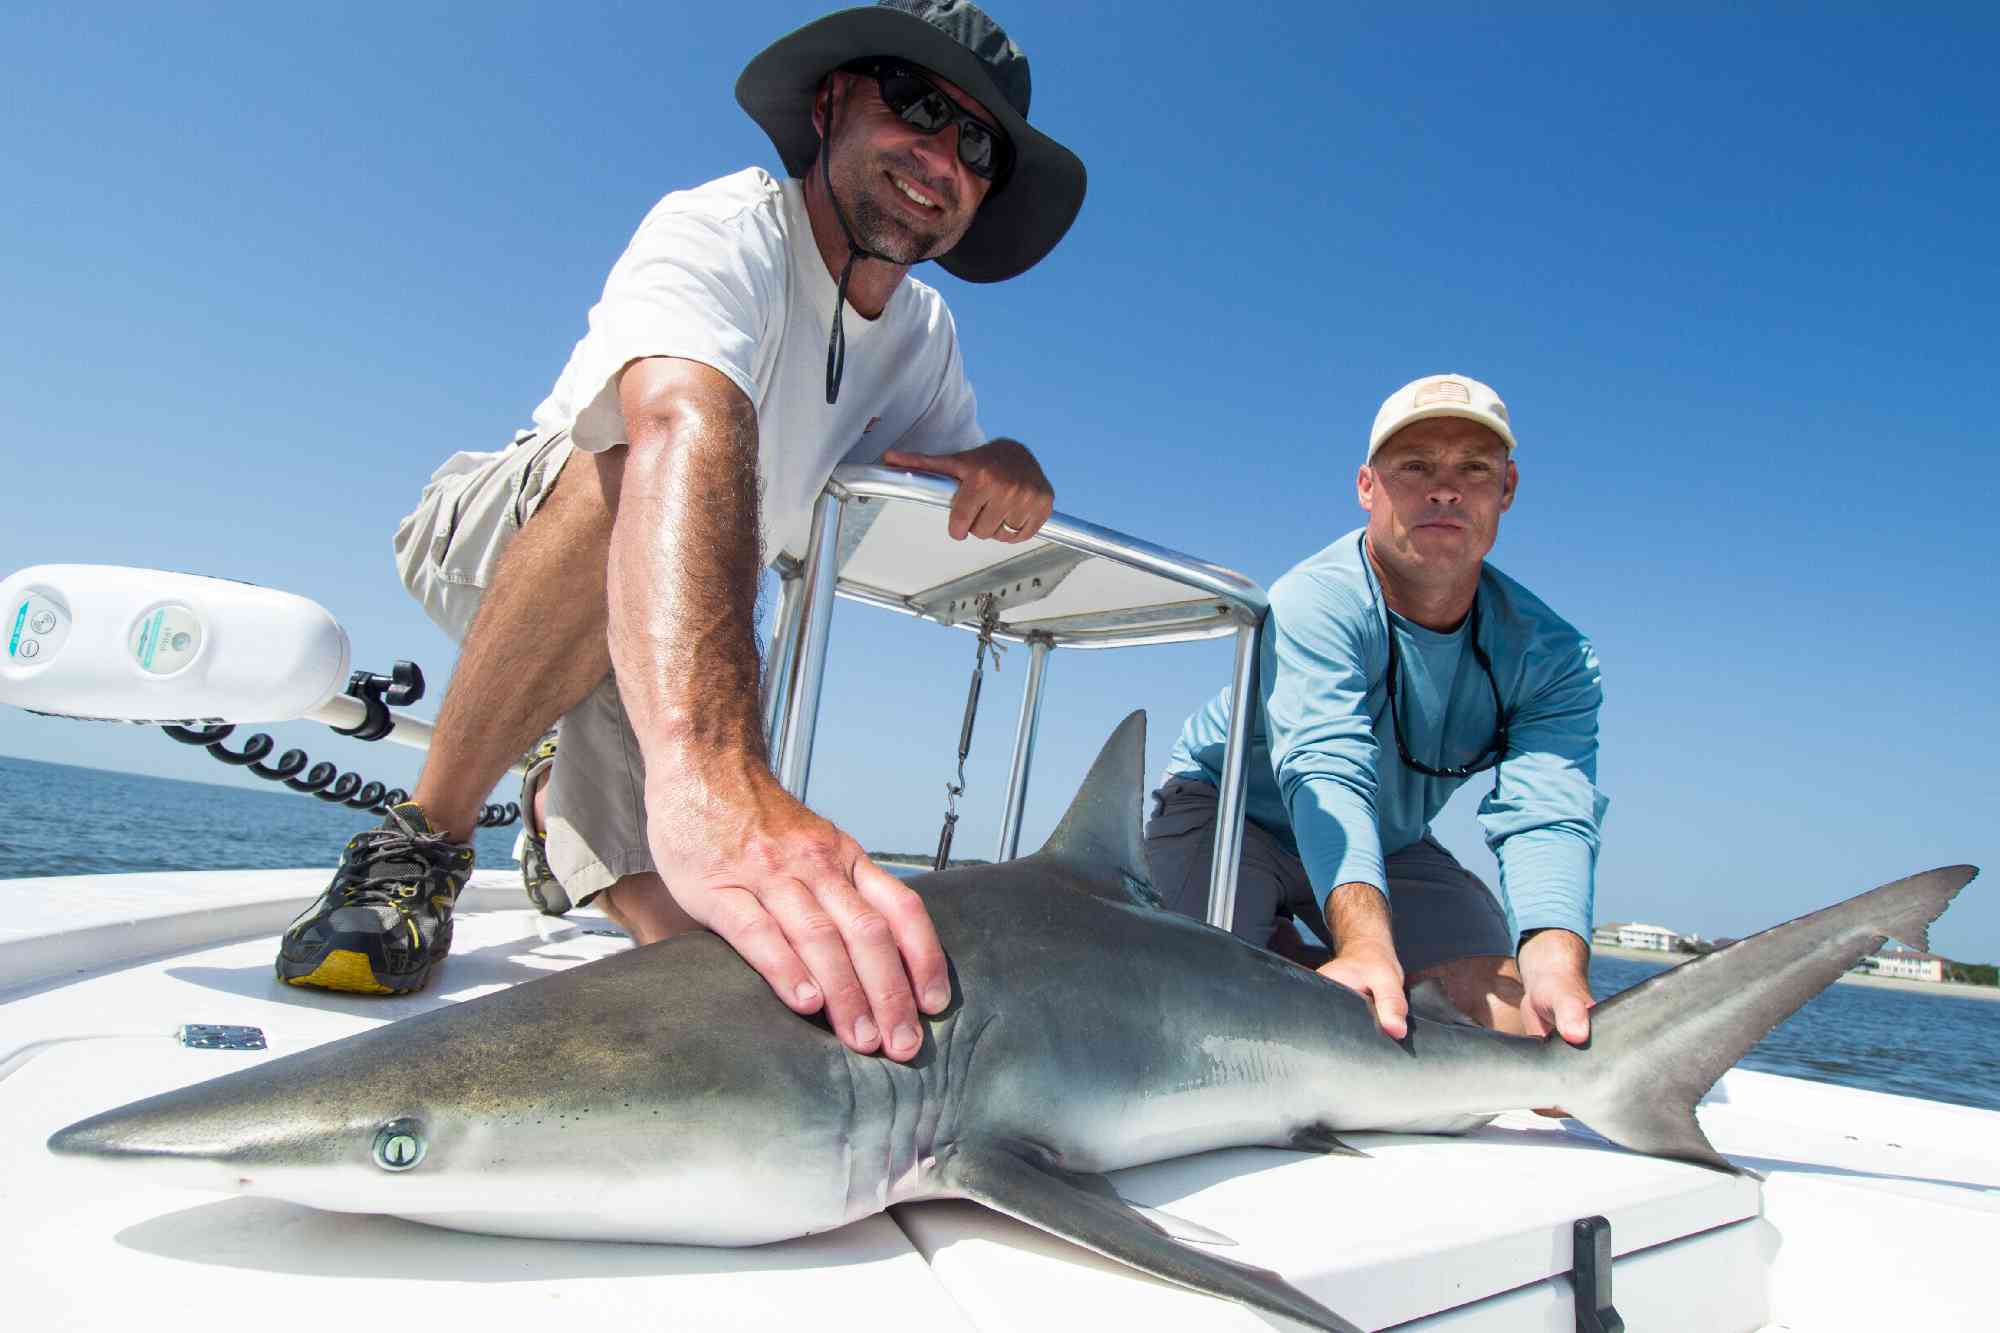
[[604, 569]]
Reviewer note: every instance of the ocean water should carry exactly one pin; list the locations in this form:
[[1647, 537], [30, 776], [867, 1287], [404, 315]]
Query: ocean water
[[1942, 1046], [59, 820]]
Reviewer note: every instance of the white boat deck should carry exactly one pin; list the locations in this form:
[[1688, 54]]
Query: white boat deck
[[1875, 1211]]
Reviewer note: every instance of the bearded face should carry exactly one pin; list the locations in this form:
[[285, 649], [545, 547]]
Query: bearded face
[[907, 194]]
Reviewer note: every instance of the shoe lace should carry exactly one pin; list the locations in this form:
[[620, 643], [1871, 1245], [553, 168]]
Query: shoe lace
[[395, 865]]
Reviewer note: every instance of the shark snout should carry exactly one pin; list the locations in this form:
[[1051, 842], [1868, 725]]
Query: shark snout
[[332, 1166], [132, 1132], [92, 1138], [137, 1146]]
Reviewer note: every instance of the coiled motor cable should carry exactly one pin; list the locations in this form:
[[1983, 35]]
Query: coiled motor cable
[[296, 769]]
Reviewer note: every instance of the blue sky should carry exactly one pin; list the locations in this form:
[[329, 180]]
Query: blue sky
[[1732, 270]]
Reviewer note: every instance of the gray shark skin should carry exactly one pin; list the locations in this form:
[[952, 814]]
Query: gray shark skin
[[665, 1095]]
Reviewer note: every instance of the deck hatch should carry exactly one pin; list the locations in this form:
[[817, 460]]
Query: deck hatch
[[221, 1037]]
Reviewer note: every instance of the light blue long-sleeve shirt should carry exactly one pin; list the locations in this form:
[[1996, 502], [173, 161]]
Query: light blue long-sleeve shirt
[[1325, 777]]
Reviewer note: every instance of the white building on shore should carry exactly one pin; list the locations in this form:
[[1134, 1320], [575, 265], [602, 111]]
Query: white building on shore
[[1893, 961], [1906, 963], [1637, 935]]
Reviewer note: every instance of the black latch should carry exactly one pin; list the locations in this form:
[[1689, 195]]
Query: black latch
[[1590, 1275], [404, 685]]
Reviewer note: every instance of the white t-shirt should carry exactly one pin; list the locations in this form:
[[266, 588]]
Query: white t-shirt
[[728, 274]]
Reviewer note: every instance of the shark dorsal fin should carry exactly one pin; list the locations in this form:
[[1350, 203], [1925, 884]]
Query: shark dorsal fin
[[1099, 835]]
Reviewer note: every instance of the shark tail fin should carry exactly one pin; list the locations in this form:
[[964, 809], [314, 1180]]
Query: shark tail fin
[[1657, 1048]]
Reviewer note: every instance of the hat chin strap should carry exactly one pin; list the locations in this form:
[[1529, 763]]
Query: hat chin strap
[[836, 343]]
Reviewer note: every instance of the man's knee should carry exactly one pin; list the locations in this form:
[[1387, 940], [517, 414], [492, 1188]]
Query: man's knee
[[583, 495], [1484, 987], [641, 906]]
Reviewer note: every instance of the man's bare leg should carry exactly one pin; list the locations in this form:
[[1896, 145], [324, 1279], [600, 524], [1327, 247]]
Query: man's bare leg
[[537, 813], [535, 648], [641, 907], [1485, 988]]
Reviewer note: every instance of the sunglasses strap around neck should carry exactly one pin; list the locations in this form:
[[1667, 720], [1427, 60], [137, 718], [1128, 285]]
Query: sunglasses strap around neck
[[1499, 748]]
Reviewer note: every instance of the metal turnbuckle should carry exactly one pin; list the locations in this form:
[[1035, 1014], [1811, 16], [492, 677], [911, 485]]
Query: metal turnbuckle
[[989, 621]]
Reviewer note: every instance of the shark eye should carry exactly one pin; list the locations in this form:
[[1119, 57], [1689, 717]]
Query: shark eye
[[399, 1145]]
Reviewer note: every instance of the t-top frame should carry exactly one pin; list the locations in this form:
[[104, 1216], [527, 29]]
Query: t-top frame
[[1222, 602]]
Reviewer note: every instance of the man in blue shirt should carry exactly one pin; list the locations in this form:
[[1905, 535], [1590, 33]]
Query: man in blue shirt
[[1396, 665]]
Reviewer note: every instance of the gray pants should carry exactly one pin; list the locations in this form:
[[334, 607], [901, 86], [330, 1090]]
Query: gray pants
[[1439, 910]]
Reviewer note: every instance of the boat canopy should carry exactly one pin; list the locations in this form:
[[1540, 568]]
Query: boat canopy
[[878, 538]]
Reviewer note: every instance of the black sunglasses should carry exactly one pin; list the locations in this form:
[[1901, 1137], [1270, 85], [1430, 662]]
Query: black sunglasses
[[1496, 750], [926, 108]]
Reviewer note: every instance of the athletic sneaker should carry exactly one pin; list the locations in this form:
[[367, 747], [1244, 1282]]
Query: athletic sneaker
[[385, 921], [544, 889]]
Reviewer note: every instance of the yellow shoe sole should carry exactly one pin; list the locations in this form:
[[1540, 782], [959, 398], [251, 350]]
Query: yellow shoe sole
[[343, 969]]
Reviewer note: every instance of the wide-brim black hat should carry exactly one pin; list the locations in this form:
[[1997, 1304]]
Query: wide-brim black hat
[[1022, 219]]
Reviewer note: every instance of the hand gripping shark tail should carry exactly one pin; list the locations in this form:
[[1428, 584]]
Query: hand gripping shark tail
[[1657, 1048]]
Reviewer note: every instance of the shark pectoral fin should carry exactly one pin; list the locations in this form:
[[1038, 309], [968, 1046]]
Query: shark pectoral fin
[[1192, 1233], [1017, 1179], [1177, 1227], [1319, 1138]]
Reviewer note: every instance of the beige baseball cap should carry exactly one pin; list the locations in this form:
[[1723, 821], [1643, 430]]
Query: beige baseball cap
[[1441, 396]]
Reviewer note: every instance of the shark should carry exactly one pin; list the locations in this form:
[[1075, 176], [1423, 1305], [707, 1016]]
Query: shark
[[664, 1095]]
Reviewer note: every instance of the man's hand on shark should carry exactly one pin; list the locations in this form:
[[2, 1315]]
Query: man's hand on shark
[[803, 905], [1364, 956], [1002, 491], [1372, 970], [1555, 976]]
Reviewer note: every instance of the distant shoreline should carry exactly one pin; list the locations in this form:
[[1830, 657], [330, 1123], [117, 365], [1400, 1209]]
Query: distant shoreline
[[1957, 989]]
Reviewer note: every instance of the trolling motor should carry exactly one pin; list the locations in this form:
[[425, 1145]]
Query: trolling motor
[[197, 656], [109, 643]]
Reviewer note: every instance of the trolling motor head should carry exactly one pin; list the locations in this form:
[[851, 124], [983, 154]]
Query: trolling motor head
[[112, 643]]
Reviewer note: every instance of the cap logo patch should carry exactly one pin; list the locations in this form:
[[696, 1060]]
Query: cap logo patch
[[1443, 391]]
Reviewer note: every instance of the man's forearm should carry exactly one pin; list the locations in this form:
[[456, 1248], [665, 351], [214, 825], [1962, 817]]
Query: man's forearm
[[1364, 953], [1554, 947], [1358, 913], [683, 568], [796, 897]]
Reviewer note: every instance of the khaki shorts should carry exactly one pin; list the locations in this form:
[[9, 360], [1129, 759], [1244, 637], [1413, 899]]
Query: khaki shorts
[[1438, 910], [447, 551]]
